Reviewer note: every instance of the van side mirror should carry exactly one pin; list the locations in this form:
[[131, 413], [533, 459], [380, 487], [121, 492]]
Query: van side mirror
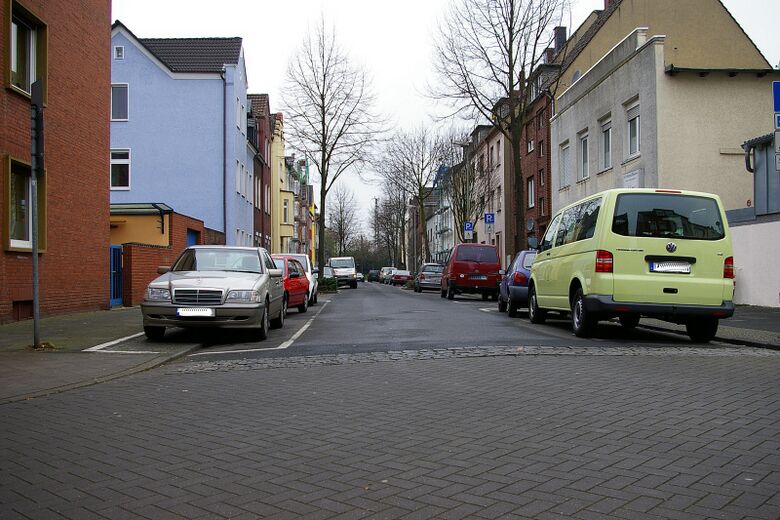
[[163, 269]]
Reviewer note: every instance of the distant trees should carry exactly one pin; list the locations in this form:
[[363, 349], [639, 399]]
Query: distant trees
[[342, 218], [329, 106], [486, 50], [389, 223]]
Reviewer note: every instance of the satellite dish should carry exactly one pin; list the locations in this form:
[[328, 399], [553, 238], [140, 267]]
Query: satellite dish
[[531, 224]]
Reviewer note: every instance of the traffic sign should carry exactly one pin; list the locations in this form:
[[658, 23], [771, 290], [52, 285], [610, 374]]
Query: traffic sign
[[489, 227], [468, 235], [776, 95], [490, 218], [468, 226], [777, 121]]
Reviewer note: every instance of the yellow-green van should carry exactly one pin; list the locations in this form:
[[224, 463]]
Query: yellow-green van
[[628, 253]]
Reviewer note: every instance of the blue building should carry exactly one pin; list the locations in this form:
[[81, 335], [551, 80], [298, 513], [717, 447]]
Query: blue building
[[179, 130]]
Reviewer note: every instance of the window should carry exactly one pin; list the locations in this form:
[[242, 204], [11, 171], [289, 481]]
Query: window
[[498, 198], [541, 148], [286, 212], [632, 115], [120, 102], [119, 52], [540, 119], [565, 165], [531, 193], [28, 48], [19, 193], [547, 240], [541, 207], [491, 163], [530, 145], [606, 144], [583, 154], [541, 177], [120, 169], [238, 113], [238, 177]]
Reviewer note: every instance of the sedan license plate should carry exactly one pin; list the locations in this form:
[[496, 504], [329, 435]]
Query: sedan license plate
[[478, 277], [201, 312], [670, 267]]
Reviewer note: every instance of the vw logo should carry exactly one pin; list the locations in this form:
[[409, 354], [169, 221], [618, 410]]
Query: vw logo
[[671, 247]]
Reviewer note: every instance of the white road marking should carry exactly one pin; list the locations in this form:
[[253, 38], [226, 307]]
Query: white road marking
[[107, 344], [126, 352], [487, 309], [287, 344]]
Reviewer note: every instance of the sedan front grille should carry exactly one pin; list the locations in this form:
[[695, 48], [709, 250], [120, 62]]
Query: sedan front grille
[[197, 296]]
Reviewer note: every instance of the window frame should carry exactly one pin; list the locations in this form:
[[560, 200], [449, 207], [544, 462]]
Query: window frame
[[38, 55], [24, 246], [127, 105], [530, 186], [119, 52], [633, 115], [564, 152], [112, 162], [583, 156], [605, 150]]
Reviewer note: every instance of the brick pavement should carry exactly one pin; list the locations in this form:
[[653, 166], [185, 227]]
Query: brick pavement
[[522, 436]]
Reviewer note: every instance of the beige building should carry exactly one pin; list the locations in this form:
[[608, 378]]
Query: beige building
[[489, 158], [668, 109], [282, 197]]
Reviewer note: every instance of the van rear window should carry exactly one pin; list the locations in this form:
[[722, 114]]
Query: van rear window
[[482, 254], [667, 216]]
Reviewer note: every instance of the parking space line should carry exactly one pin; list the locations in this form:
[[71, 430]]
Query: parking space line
[[287, 344], [98, 348]]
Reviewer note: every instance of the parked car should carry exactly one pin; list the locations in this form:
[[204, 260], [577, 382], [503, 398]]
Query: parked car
[[400, 277], [373, 275], [360, 277], [296, 285], [472, 269], [344, 270], [327, 272], [311, 275], [513, 291], [389, 276], [384, 272], [629, 253], [215, 286], [429, 277]]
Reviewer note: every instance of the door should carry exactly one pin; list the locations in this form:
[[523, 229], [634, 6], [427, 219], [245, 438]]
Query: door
[[192, 237], [116, 276]]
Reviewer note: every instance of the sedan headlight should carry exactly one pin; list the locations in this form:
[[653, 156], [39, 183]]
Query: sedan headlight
[[157, 294], [243, 297]]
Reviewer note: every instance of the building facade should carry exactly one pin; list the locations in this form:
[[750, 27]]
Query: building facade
[[179, 130], [259, 133], [72, 202]]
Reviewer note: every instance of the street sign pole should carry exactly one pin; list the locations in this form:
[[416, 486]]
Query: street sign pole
[[36, 170]]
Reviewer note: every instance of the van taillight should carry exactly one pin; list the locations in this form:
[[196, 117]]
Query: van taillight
[[603, 261], [520, 278], [728, 267]]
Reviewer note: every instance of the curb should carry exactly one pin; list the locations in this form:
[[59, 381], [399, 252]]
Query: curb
[[730, 341], [148, 365]]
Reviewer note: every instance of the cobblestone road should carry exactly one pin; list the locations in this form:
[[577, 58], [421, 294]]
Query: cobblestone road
[[438, 433]]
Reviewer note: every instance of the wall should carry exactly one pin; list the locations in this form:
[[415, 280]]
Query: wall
[[144, 229], [757, 274], [74, 269], [702, 122], [699, 33]]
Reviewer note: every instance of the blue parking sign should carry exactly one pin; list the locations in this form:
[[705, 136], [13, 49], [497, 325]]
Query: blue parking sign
[[776, 94], [490, 218], [468, 226]]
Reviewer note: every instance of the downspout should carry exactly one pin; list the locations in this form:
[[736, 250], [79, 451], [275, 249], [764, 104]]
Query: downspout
[[224, 153]]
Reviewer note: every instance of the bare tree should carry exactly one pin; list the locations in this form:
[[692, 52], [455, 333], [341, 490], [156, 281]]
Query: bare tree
[[342, 217], [329, 105], [410, 161], [389, 222], [485, 52], [466, 184]]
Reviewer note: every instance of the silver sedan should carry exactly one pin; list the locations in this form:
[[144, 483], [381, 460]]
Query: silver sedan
[[216, 286]]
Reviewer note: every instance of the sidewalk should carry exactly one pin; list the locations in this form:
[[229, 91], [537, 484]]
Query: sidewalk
[[25, 373], [63, 364]]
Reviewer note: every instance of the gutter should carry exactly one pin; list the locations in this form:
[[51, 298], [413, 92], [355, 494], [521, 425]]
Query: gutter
[[224, 153]]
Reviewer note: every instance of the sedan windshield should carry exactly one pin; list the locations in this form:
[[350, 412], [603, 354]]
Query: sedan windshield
[[219, 259]]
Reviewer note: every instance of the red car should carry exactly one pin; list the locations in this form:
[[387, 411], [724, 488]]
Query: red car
[[472, 268], [400, 277], [296, 285]]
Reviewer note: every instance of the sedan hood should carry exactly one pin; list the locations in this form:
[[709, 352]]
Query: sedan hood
[[224, 280]]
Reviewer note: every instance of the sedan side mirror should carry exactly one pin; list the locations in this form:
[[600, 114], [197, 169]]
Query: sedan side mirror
[[275, 273], [163, 269], [316, 270]]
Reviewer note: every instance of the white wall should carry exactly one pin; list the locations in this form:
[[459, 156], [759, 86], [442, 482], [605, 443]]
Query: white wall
[[757, 263]]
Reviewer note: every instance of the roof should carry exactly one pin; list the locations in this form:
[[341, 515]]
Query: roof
[[752, 143], [193, 55], [569, 55], [260, 104], [151, 208]]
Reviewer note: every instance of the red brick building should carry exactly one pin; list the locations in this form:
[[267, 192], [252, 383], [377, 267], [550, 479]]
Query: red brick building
[[536, 166], [259, 135], [63, 44]]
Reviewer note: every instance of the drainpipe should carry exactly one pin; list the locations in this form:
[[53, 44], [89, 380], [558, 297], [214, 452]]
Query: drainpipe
[[224, 153]]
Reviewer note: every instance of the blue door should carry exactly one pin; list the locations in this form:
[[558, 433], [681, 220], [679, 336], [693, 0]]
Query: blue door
[[192, 237], [116, 275]]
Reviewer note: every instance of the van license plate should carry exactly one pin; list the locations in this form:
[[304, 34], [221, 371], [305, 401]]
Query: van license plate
[[478, 277], [195, 311], [670, 267]]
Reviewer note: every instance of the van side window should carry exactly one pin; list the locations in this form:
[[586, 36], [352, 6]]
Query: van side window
[[565, 233], [587, 216], [547, 241]]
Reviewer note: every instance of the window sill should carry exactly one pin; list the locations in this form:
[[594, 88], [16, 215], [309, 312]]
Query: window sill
[[564, 188], [584, 180], [120, 120], [23, 249], [20, 92], [631, 159], [603, 171], [119, 188]]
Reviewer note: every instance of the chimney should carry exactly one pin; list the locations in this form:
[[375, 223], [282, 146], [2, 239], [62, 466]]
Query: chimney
[[560, 38], [549, 54], [607, 3]]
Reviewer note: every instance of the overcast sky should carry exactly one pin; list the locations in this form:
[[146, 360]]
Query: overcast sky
[[391, 39]]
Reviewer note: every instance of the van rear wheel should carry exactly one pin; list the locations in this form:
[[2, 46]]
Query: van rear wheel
[[702, 330], [581, 320]]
